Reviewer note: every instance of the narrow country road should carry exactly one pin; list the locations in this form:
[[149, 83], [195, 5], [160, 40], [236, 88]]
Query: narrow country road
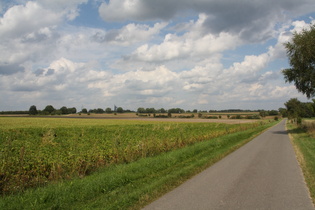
[[263, 174]]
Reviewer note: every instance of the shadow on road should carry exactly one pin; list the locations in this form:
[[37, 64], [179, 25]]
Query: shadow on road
[[281, 132], [296, 131]]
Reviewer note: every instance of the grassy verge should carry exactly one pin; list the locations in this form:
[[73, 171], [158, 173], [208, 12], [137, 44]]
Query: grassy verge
[[133, 185], [304, 145]]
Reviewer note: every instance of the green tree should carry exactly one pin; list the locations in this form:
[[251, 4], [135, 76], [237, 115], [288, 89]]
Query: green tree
[[176, 110], [283, 112], [64, 110], [99, 111], [33, 110], [307, 110], [49, 109], [301, 54], [84, 110], [120, 110], [162, 110], [294, 108], [150, 110], [263, 113], [273, 112], [141, 110], [108, 110], [72, 110]]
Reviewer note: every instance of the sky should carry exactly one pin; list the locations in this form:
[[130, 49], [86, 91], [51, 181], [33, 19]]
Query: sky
[[201, 54]]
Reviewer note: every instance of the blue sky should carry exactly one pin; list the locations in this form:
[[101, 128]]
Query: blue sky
[[134, 53]]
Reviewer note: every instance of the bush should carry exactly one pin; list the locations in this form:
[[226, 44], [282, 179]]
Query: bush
[[236, 117], [210, 117], [255, 116]]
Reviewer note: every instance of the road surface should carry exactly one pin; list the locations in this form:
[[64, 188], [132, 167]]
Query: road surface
[[263, 174]]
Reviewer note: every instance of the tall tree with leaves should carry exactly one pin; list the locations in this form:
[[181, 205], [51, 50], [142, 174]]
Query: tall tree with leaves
[[33, 110], [294, 109], [49, 109], [301, 54]]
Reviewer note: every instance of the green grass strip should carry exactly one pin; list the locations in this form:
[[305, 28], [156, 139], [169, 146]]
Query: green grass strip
[[304, 145], [133, 185]]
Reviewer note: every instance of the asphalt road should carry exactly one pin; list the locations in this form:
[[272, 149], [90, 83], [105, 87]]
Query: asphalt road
[[263, 174]]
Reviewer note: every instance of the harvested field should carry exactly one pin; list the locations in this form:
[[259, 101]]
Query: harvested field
[[196, 120]]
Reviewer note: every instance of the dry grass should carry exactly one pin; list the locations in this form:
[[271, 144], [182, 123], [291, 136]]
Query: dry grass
[[309, 125]]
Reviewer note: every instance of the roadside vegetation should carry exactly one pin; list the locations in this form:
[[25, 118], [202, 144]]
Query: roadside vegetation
[[128, 164], [303, 139]]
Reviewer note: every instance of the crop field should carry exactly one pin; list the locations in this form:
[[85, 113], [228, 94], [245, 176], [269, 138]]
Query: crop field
[[35, 151]]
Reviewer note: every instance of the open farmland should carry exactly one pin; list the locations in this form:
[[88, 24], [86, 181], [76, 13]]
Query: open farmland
[[35, 151]]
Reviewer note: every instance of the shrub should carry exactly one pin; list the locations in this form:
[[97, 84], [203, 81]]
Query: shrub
[[210, 117], [255, 116]]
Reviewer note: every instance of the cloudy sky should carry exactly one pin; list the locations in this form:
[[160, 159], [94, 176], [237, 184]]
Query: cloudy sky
[[201, 54]]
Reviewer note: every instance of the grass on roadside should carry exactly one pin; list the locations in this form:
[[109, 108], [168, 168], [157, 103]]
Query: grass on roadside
[[133, 185], [304, 145]]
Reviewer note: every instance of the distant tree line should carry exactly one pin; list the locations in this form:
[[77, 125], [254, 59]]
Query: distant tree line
[[108, 110], [162, 110], [236, 110], [13, 112], [263, 113], [50, 110]]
